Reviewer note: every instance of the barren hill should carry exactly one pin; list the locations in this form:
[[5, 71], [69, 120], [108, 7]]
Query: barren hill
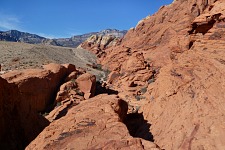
[[14, 55]]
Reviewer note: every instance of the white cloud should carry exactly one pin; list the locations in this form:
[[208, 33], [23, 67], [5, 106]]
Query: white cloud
[[9, 22]]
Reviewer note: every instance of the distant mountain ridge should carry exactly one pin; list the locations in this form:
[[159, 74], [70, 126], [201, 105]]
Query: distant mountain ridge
[[74, 41], [17, 36]]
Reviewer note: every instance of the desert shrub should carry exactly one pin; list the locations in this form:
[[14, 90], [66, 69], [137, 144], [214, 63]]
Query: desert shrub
[[107, 72], [44, 114], [58, 104], [98, 77], [151, 80], [79, 92], [143, 90], [103, 76], [138, 97], [99, 67]]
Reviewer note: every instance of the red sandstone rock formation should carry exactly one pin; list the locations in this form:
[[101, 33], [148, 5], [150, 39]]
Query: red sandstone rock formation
[[93, 124], [97, 43], [10, 126], [174, 67], [25, 94], [184, 102], [87, 84]]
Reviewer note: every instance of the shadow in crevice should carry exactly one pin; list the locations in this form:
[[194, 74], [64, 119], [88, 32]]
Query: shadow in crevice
[[104, 90], [63, 112], [135, 122], [138, 127]]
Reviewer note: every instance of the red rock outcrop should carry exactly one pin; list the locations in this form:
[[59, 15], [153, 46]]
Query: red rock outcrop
[[87, 84], [187, 105], [184, 102], [93, 124], [27, 93], [162, 35], [170, 67], [97, 43], [10, 132]]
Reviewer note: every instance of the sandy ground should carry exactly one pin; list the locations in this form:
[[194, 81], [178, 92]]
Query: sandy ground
[[15, 55]]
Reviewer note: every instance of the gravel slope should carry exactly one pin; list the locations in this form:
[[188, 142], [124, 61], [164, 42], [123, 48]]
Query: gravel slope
[[21, 56]]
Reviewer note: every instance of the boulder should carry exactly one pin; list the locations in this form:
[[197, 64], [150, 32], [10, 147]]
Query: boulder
[[87, 84], [64, 91], [112, 77]]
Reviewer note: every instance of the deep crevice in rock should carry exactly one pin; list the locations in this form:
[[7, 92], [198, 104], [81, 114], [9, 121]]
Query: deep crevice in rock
[[136, 124], [191, 43], [138, 127], [104, 90], [204, 27]]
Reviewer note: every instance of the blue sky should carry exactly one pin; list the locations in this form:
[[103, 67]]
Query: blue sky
[[65, 18]]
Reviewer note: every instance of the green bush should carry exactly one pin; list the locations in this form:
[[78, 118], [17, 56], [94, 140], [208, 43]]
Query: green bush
[[99, 67]]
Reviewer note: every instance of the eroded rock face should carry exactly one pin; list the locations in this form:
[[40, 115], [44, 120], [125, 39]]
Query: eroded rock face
[[97, 43], [93, 124], [184, 101], [29, 92], [188, 93], [10, 128]]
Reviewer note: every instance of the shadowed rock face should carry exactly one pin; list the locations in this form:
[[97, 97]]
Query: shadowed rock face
[[8, 121], [23, 96]]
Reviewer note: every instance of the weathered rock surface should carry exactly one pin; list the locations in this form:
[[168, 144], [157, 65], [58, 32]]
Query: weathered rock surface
[[188, 101], [93, 124], [25, 94], [87, 84], [169, 67], [183, 64], [188, 94], [97, 43]]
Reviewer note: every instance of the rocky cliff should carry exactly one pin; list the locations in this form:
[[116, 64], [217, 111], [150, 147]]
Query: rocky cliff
[[182, 58], [17, 36]]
